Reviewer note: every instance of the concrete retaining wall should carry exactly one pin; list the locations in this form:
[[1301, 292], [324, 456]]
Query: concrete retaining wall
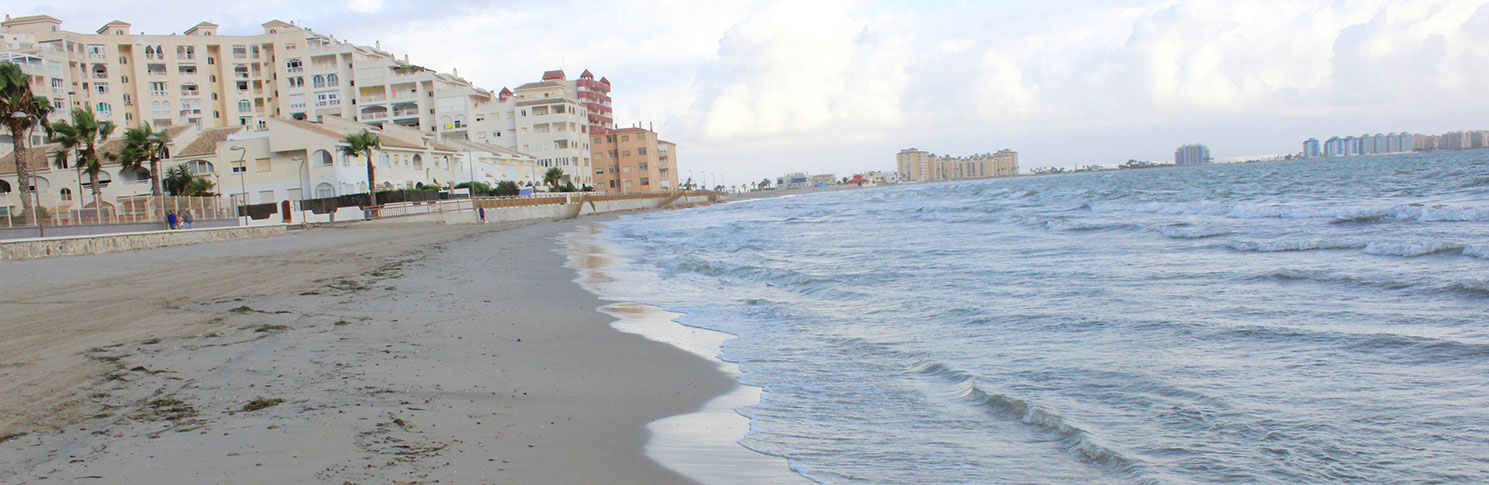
[[111, 243], [98, 229]]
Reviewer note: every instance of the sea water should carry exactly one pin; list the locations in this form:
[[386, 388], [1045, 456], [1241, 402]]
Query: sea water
[[1306, 321]]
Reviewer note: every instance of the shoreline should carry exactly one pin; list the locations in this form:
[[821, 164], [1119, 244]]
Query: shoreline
[[702, 444], [415, 353]]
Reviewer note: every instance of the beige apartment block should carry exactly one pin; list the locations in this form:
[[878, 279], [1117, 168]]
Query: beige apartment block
[[634, 160], [210, 80], [918, 165]]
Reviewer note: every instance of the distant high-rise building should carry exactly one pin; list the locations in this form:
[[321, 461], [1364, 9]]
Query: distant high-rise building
[[1311, 148], [1192, 155]]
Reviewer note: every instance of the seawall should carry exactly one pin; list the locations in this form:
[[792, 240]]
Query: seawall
[[112, 243]]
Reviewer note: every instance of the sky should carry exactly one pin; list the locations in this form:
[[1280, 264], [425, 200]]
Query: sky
[[750, 89]]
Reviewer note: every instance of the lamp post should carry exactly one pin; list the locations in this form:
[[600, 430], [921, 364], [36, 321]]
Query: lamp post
[[242, 185], [304, 182]]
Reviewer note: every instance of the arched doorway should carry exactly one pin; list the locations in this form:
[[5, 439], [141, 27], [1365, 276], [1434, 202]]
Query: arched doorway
[[284, 208]]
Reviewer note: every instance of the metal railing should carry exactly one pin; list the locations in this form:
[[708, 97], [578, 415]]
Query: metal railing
[[123, 210]]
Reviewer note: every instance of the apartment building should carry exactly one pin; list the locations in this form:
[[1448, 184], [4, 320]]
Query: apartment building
[[633, 160], [918, 165], [211, 80], [1193, 154]]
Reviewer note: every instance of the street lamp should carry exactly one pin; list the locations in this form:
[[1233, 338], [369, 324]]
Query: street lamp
[[304, 183], [242, 185]]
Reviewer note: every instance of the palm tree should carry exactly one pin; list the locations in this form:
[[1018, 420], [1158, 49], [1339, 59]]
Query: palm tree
[[553, 176], [145, 145], [177, 178], [21, 111], [84, 134], [362, 144], [765, 182], [180, 182]]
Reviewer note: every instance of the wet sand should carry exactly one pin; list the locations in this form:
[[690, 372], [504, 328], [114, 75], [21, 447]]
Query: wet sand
[[410, 353]]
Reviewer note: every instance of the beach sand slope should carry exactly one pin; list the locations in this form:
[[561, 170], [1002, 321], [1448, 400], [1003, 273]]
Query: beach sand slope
[[415, 353]]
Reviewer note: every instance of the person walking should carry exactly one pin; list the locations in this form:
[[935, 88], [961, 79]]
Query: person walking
[[187, 220], [170, 219]]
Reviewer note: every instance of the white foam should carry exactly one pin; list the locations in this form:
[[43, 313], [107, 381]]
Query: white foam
[[702, 445]]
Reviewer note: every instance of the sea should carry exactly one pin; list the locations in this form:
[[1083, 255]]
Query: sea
[[1313, 321]]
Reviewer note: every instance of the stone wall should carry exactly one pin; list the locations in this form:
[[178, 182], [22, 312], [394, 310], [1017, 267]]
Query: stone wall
[[112, 243]]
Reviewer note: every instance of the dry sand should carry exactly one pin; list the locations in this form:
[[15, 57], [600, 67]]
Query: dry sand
[[413, 353]]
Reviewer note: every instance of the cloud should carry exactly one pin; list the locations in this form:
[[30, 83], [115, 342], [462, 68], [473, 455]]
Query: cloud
[[765, 86]]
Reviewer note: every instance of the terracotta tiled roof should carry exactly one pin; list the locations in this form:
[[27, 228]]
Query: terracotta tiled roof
[[556, 74], [540, 84], [40, 157], [206, 143], [586, 75]]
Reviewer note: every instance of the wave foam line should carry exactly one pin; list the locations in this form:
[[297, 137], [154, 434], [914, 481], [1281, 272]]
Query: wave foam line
[[1075, 439]]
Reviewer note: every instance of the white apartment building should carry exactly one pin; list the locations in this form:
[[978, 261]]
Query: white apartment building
[[550, 119]]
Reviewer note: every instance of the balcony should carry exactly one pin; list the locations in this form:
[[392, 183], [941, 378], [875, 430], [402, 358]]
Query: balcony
[[375, 115]]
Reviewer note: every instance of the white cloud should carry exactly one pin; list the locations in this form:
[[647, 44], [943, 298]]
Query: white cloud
[[764, 86]]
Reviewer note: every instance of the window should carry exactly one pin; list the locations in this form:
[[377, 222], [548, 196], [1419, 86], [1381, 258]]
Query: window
[[240, 71], [155, 69], [124, 79], [289, 46], [318, 81], [418, 162], [331, 80], [297, 81], [189, 89], [645, 181], [641, 151], [244, 106], [262, 165], [238, 167], [199, 167], [324, 157], [540, 110], [383, 161], [185, 52], [294, 65], [128, 117], [326, 99], [102, 88], [95, 51], [158, 88], [297, 101], [128, 100], [66, 194], [641, 166], [625, 138], [240, 52], [187, 69], [324, 191], [105, 109]]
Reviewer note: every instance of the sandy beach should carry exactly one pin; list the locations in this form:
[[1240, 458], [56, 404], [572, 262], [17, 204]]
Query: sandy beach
[[410, 353]]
